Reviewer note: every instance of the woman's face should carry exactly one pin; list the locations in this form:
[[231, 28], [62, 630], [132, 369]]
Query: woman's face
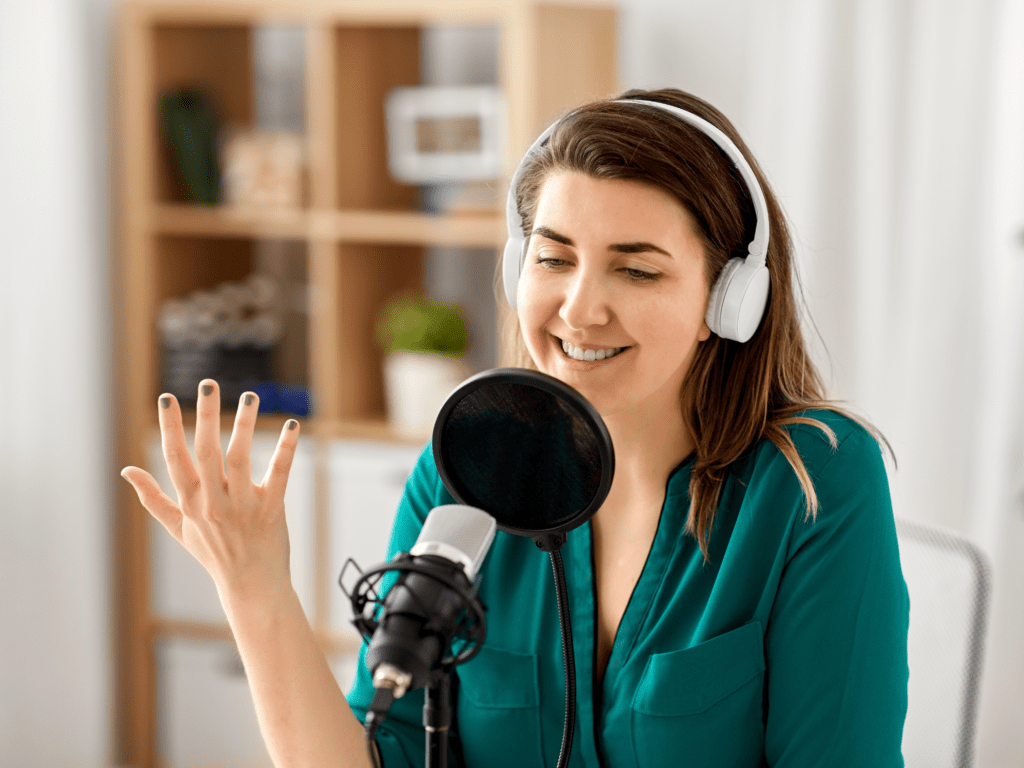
[[613, 294]]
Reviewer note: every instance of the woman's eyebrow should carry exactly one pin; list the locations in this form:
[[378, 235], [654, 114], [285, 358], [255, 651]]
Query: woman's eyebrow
[[639, 247], [550, 234]]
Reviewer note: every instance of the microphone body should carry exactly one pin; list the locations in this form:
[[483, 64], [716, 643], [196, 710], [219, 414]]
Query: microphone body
[[422, 612]]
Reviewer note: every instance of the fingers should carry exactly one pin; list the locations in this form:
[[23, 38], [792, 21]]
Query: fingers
[[179, 461], [208, 456], [276, 479], [237, 460], [156, 502]]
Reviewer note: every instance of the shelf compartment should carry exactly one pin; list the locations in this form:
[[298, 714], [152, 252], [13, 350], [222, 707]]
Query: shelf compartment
[[367, 276], [186, 264], [368, 63], [217, 60]]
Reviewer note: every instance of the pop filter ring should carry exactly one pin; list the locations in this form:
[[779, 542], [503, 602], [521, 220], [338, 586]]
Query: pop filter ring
[[552, 537]]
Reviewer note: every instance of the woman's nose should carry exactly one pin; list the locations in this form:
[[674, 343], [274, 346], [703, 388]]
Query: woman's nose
[[585, 302]]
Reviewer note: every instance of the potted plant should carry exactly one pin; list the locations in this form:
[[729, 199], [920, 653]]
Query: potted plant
[[424, 342]]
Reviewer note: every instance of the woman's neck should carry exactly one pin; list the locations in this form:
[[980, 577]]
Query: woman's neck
[[647, 448]]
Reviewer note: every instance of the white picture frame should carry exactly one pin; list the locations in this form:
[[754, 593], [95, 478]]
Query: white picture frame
[[445, 133]]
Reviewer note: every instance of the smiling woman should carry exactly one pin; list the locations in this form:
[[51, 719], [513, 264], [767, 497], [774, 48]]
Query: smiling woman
[[738, 597]]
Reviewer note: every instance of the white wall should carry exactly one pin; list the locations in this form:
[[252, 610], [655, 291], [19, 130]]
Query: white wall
[[700, 47], [55, 466]]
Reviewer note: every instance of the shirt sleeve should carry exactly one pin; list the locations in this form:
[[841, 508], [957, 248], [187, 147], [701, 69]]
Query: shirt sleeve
[[401, 737], [836, 643]]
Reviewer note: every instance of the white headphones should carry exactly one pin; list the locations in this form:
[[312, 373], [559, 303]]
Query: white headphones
[[739, 296]]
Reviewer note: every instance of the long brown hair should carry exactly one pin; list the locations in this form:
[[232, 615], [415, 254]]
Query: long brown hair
[[733, 394]]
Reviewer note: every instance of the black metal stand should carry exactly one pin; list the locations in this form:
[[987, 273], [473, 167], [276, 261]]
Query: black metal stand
[[437, 718], [568, 657]]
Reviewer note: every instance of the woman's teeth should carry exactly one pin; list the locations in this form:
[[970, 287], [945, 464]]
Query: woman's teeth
[[589, 355]]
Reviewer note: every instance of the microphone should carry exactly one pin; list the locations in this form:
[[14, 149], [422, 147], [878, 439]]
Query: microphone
[[523, 453], [431, 600]]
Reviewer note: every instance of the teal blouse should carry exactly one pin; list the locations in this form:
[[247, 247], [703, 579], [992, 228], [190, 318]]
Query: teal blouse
[[787, 649]]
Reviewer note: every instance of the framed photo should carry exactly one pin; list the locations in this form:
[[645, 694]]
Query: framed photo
[[438, 134]]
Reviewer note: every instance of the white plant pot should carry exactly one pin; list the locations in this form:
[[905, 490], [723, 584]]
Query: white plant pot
[[416, 385]]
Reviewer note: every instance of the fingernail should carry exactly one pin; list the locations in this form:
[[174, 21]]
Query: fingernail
[[207, 389], [291, 423], [248, 399], [126, 479], [165, 402]]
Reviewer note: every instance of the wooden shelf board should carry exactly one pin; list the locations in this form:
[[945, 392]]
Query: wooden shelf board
[[366, 429], [271, 423], [377, 429], [165, 628], [224, 221], [391, 13], [481, 230]]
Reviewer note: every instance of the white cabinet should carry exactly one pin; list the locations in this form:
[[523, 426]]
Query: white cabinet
[[181, 587], [206, 714], [367, 480], [205, 711]]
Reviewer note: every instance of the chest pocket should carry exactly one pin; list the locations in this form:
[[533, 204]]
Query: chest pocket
[[498, 709], [702, 706]]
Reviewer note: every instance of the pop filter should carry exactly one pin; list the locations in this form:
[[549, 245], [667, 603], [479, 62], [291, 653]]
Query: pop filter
[[527, 449]]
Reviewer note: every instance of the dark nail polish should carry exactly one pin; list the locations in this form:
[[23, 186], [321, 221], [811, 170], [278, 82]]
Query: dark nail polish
[[207, 389], [248, 399], [165, 402], [292, 424]]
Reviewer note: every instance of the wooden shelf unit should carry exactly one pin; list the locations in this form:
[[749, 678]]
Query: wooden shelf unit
[[361, 232]]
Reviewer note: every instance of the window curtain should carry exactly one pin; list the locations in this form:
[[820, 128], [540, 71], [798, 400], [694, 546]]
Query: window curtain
[[893, 131]]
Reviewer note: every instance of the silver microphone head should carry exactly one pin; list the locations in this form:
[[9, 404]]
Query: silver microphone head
[[459, 533]]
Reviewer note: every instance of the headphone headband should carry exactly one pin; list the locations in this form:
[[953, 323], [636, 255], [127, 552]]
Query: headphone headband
[[738, 298]]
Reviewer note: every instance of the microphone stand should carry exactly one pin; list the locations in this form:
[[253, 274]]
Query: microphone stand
[[552, 543], [437, 718]]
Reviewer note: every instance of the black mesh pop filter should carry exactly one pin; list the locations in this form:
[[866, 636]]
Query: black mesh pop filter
[[527, 449]]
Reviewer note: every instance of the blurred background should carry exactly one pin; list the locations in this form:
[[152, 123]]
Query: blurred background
[[892, 132]]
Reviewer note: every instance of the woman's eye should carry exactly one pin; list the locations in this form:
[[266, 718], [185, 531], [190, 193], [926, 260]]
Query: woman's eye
[[639, 275], [550, 262]]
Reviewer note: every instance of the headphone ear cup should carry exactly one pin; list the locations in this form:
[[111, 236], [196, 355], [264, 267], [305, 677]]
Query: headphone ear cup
[[738, 299], [511, 263]]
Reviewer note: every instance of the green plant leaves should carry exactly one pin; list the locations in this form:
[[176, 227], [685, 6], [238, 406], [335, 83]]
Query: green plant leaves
[[414, 323]]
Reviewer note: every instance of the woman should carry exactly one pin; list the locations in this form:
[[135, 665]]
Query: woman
[[736, 601]]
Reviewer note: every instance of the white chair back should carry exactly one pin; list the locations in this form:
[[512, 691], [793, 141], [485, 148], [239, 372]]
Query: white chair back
[[948, 579]]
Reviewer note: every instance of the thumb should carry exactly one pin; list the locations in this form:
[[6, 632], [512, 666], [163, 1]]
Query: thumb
[[156, 502]]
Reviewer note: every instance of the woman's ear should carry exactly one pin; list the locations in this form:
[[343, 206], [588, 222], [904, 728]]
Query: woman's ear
[[704, 333]]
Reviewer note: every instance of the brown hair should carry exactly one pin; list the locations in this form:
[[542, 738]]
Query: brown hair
[[734, 394]]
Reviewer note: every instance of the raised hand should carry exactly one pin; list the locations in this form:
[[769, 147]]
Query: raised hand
[[234, 527]]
